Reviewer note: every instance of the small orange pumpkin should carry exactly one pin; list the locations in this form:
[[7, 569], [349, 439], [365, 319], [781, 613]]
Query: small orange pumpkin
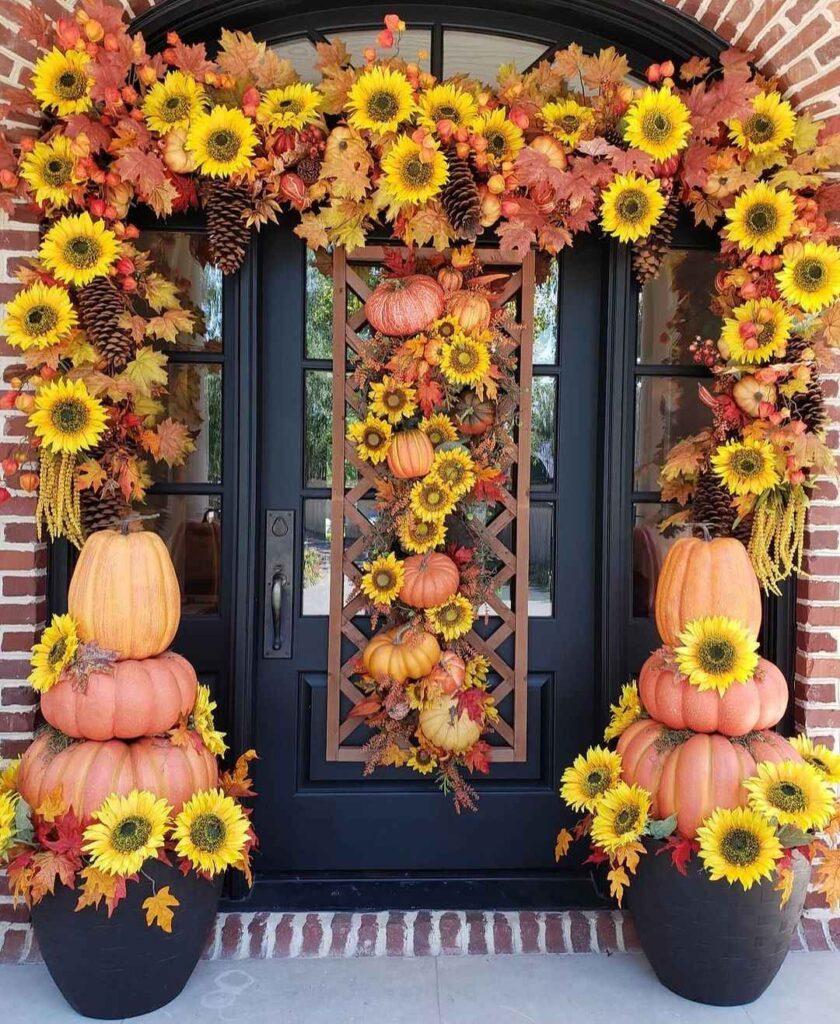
[[450, 279], [429, 580], [471, 309], [449, 673], [441, 724], [411, 454], [472, 415], [401, 653], [401, 306], [749, 394]]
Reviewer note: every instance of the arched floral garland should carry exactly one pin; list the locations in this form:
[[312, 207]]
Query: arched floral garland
[[569, 146]]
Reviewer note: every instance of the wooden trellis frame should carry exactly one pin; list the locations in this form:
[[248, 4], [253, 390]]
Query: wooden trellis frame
[[345, 637]]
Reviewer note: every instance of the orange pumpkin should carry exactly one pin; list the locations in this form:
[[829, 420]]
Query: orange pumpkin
[[706, 577], [139, 698], [471, 309], [429, 580], [472, 415], [449, 673], [690, 777], [89, 771], [401, 653], [749, 393], [411, 454], [450, 279], [401, 306], [746, 707], [441, 724], [124, 593]]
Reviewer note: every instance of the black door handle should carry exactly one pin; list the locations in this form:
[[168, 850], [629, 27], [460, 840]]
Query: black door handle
[[278, 581]]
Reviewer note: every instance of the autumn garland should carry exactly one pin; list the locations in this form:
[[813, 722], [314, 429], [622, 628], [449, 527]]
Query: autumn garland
[[539, 157]]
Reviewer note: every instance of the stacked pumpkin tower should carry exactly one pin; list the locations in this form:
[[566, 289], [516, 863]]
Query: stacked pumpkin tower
[[111, 714], [710, 701]]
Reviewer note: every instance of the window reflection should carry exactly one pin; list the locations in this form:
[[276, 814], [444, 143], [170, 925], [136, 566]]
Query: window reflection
[[194, 397], [674, 307], [650, 546], [545, 316], [191, 526], [318, 430], [667, 410], [543, 429]]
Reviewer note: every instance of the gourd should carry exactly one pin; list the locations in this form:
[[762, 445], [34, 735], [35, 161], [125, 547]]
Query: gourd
[[441, 724], [124, 593], [472, 415], [411, 454], [430, 579], [450, 279], [138, 698], [749, 393], [471, 309], [746, 707], [449, 673], [401, 653], [89, 771], [706, 577], [401, 306]]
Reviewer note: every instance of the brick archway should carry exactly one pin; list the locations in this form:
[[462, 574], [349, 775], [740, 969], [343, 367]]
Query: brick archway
[[795, 40]]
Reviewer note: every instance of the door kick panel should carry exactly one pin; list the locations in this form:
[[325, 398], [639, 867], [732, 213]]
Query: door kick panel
[[278, 583]]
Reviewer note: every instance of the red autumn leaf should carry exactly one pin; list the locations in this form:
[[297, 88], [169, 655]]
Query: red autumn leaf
[[490, 486], [49, 868], [398, 263], [681, 850], [187, 193], [430, 395], [477, 758], [472, 701], [461, 556], [625, 160], [695, 165], [534, 168], [597, 856], [109, 15], [68, 835], [192, 60], [143, 170], [515, 239], [97, 135], [109, 71], [365, 707], [583, 827]]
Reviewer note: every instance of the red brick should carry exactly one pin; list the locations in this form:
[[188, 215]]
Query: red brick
[[312, 934], [581, 942], [529, 929], [502, 934], [422, 933], [821, 719], [605, 930], [824, 83], [631, 936], [815, 901], [816, 693], [818, 642], [12, 945], [256, 934], [554, 941], [23, 560], [817, 590], [828, 52], [834, 931], [24, 586], [28, 614], [21, 641], [10, 748], [340, 928], [17, 721], [796, 943], [368, 932], [15, 668], [477, 942], [395, 933], [798, 42], [818, 615], [825, 490], [17, 533], [824, 515], [231, 936], [283, 936], [11, 913], [450, 930], [815, 939]]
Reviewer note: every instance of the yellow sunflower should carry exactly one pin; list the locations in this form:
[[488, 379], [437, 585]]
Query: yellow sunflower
[[222, 141], [566, 121], [658, 124], [757, 331], [293, 106], [746, 467], [716, 652], [419, 535], [826, 762], [623, 714], [60, 82], [456, 469], [464, 360], [791, 794], [589, 777], [452, 619], [760, 218], [476, 673], [50, 170], [8, 817], [422, 761], [204, 723], [621, 817], [500, 138], [9, 777], [431, 500], [77, 249], [446, 328], [53, 653], [446, 103], [392, 399], [173, 102], [383, 579], [380, 100], [67, 417], [770, 125], [372, 438], [810, 279], [126, 832], [439, 428], [211, 832], [413, 173], [631, 206], [39, 317], [738, 845]]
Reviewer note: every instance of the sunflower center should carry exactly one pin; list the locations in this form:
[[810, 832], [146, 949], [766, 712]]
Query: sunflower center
[[384, 579], [787, 796], [175, 107], [40, 320], [435, 437], [422, 530], [433, 497], [656, 126], [71, 85], [452, 472], [496, 143], [395, 400], [446, 330], [422, 756], [596, 782], [289, 106], [130, 834], [632, 205], [446, 113], [208, 832], [740, 847], [417, 173], [57, 652], [56, 171], [759, 128], [382, 106], [451, 614], [626, 820], [816, 762], [373, 439], [762, 218], [716, 654], [82, 252], [569, 123], [810, 275], [766, 333], [69, 416], [223, 144], [747, 463]]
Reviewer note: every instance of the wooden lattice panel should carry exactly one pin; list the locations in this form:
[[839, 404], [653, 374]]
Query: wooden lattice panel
[[346, 639]]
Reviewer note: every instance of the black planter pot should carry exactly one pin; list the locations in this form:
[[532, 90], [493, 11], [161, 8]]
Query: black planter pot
[[119, 967], [713, 942]]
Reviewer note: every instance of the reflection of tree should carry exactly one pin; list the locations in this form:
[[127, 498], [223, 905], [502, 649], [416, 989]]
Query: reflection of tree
[[543, 413], [318, 427]]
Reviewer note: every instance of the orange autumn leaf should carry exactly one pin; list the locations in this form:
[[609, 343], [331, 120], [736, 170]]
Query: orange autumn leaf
[[98, 886], [238, 782], [784, 885], [562, 843], [619, 880], [159, 909], [828, 875], [53, 806]]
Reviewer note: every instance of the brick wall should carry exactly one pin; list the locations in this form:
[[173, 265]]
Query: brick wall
[[796, 39]]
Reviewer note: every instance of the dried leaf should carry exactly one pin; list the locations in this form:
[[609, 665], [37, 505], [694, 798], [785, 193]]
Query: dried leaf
[[52, 806], [159, 909], [171, 442], [562, 843], [828, 875], [239, 54], [168, 326], [147, 369], [97, 886], [619, 880], [429, 226], [694, 67], [784, 885]]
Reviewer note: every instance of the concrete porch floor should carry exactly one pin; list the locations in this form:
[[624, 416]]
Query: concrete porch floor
[[595, 989]]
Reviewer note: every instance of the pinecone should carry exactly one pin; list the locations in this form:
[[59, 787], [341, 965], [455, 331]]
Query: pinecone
[[228, 234], [101, 304], [808, 405], [615, 136], [461, 200], [309, 170], [712, 508], [100, 511], [649, 252]]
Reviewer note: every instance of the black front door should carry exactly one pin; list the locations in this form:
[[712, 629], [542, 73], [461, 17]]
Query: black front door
[[323, 820]]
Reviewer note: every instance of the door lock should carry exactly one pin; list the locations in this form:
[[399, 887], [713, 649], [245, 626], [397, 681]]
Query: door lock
[[279, 576]]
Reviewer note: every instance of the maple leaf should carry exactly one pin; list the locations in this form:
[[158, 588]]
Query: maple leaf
[[90, 475], [312, 231], [830, 325], [428, 226], [554, 237], [162, 197], [159, 909], [460, 555], [109, 15], [274, 72], [239, 54], [147, 369], [173, 443], [52, 805], [694, 67], [50, 867], [695, 165], [143, 170], [489, 485], [430, 395], [706, 211], [629, 855], [97, 886], [533, 168], [597, 856], [562, 843], [784, 885], [97, 135], [619, 880], [238, 783], [478, 757], [607, 66], [168, 326], [160, 292], [681, 851], [474, 703], [828, 875], [515, 239], [108, 71], [190, 59]]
